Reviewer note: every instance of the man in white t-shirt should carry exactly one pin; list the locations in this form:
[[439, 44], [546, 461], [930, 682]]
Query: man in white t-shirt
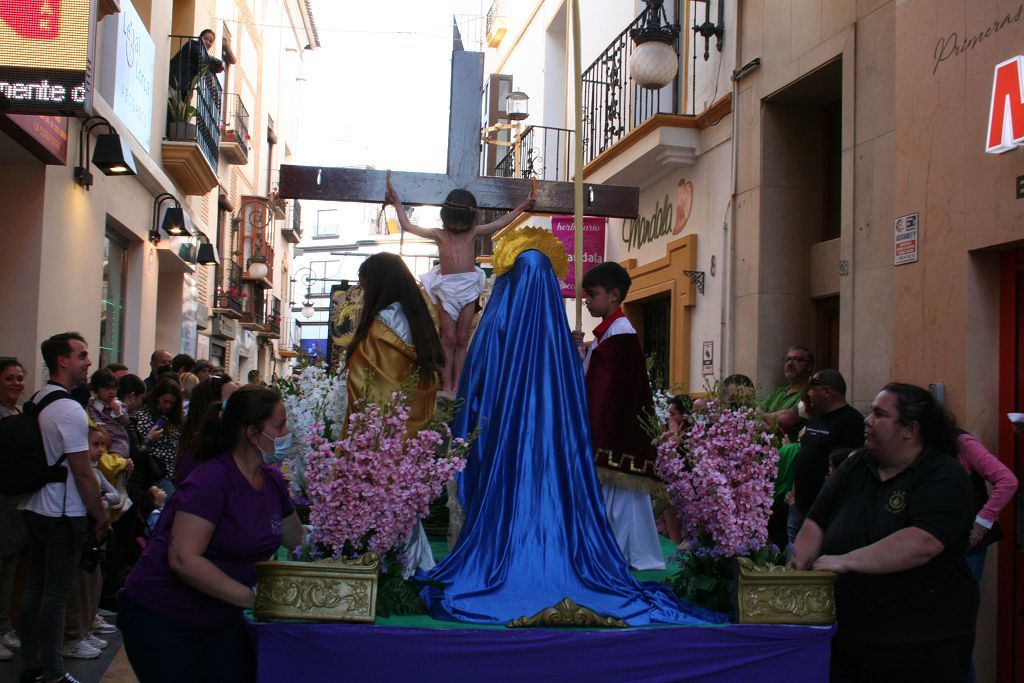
[[55, 515]]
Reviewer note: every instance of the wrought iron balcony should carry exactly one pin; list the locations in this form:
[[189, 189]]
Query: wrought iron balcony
[[278, 206], [613, 104], [194, 96], [496, 23], [234, 134], [230, 296], [543, 153], [253, 316], [272, 318], [292, 229]]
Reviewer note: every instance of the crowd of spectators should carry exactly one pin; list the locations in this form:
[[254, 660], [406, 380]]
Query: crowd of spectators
[[122, 446]]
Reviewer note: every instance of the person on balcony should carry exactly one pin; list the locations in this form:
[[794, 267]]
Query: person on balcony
[[193, 57]]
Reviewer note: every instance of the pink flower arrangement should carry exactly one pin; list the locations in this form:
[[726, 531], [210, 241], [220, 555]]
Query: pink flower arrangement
[[368, 490], [719, 475]]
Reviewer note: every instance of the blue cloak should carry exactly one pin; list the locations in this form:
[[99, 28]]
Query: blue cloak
[[536, 529]]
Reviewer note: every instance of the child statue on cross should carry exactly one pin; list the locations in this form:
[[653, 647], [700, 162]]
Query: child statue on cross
[[455, 285]]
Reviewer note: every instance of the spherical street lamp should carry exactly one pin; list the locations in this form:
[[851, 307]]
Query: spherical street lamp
[[654, 62], [258, 267]]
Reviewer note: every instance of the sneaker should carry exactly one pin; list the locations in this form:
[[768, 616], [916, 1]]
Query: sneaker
[[68, 678], [5, 654], [80, 649], [97, 643], [11, 641], [100, 626], [30, 676]]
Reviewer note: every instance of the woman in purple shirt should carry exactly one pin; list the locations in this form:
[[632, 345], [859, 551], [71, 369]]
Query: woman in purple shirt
[[181, 608]]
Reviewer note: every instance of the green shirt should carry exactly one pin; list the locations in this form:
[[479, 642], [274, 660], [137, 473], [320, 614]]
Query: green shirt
[[781, 399], [787, 473]]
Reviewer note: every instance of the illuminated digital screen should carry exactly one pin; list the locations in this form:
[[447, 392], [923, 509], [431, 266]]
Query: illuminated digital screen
[[46, 55]]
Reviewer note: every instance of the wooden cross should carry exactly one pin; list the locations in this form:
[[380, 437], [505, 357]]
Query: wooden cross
[[362, 185]]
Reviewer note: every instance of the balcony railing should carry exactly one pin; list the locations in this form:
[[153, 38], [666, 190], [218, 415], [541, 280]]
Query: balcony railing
[[194, 96], [292, 229], [236, 124], [272, 317], [230, 296], [614, 104], [253, 311], [278, 206], [544, 154]]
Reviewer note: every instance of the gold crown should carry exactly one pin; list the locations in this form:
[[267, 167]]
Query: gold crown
[[516, 242]]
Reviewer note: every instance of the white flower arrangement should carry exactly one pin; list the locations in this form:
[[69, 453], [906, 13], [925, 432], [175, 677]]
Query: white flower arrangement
[[316, 403]]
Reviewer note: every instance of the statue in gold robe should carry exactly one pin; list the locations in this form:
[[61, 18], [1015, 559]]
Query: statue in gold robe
[[385, 361]]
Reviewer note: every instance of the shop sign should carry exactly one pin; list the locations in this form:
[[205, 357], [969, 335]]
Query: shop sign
[[44, 136], [133, 79], [1006, 112], [46, 56], [593, 245], [908, 241], [640, 231]]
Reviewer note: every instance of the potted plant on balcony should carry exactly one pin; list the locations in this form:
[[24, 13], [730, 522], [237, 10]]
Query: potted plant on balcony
[[181, 115]]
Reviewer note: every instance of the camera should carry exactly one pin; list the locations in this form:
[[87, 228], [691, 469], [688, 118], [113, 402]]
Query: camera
[[93, 551]]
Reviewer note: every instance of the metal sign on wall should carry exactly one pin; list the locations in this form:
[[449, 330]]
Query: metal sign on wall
[[907, 239], [46, 56]]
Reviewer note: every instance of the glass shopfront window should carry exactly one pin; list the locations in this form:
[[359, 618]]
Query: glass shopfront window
[[115, 267]]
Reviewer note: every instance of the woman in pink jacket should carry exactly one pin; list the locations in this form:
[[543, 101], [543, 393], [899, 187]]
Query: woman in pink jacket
[[984, 468]]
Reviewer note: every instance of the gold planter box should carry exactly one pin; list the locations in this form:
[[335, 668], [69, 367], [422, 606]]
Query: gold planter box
[[328, 590], [776, 595]]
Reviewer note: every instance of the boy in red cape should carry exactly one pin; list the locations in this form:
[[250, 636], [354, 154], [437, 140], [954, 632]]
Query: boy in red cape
[[619, 394]]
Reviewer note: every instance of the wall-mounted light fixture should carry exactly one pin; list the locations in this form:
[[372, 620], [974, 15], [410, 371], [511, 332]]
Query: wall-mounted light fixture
[[517, 110], [710, 29], [206, 254], [308, 308], [112, 155], [654, 61], [175, 223]]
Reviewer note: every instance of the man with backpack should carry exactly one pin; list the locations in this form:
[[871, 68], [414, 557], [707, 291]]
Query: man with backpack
[[55, 514]]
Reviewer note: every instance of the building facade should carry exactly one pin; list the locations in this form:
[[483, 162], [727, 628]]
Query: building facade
[[674, 144], [874, 117], [841, 174], [98, 259]]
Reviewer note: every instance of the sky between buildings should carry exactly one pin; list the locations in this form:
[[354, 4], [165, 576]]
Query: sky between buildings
[[376, 92]]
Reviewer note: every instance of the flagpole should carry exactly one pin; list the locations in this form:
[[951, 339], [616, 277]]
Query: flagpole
[[577, 251]]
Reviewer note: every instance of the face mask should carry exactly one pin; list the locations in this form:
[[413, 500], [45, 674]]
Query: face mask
[[282, 445]]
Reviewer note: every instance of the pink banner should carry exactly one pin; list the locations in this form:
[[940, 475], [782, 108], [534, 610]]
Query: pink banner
[[593, 245]]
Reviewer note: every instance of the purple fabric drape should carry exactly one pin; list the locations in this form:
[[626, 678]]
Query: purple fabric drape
[[724, 653]]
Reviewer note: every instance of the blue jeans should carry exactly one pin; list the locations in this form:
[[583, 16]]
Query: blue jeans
[[976, 563], [54, 549], [794, 522], [164, 650]]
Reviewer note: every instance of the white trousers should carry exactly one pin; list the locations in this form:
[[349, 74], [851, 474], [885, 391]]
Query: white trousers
[[632, 520]]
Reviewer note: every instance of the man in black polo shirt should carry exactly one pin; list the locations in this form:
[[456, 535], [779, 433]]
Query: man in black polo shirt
[[893, 521], [834, 423]]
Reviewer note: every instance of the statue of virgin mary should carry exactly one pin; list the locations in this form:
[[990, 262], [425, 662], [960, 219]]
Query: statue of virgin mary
[[536, 531]]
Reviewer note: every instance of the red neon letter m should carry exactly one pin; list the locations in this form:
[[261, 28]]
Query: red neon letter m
[[1006, 115]]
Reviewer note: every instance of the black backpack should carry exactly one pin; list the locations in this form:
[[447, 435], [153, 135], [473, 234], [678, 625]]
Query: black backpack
[[23, 467]]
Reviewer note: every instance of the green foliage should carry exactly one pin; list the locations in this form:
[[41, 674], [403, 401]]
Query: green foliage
[[709, 580], [179, 107], [395, 595]]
